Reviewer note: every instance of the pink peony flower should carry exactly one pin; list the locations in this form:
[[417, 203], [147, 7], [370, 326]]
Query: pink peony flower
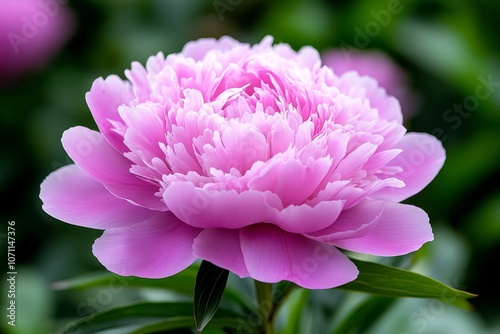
[[31, 31], [379, 66], [255, 158]]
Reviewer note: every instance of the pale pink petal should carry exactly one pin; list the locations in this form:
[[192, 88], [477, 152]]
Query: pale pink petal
[[71, 196], [421, 159], [352, 223], [238, 146], [103, 99], [307, 219], [272, 255], [146, 130], [222, 248], [291, 180], [355, 160], [100, 161], [402, 229], [198, 49], [219, 209], [156, 248], [354, 85]]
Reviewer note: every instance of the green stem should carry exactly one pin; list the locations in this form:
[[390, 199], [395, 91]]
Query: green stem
[[265, 301]]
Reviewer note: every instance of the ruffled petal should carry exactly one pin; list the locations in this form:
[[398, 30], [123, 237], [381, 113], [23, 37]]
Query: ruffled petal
[[159, 247], [219, 209], [71, 196], [272, 255], [421, 159], [354, 85], [103, 99], [402, 229], [306, 219], [102, 163], [292, 180], [222, 248], [198, 49], [352, 223]]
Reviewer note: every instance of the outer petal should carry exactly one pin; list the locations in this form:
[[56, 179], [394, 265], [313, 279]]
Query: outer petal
[[219, 209], [71, 196], [102, 163], [401, 229], [352, 223], [103, 99], [158, 247], [422, 157], [222, 248], [272, 255]]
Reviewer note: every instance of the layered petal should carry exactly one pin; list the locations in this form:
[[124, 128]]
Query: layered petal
[[421, 159], [352, 223], [73, 197], [292, 180], [272, 255], [103, 99], [100, 161], [219, 209], [221, 247], [401, 229], [306, 219], [158, 247]]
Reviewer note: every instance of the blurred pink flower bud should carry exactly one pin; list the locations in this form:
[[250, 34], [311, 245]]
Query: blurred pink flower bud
[[31, 33]]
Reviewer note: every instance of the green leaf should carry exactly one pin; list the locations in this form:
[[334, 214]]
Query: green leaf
[[390, 281], [217, 322], [210, 284], [369, 310], [135, 313], [293, 325], [136, 317], [182, 282]]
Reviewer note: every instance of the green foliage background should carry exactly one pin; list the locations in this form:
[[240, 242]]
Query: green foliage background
[[446, 46]]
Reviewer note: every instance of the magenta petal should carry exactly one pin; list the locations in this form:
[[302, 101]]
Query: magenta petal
[[307, 219], [402, 229], [103, 99], [272, 255], [352, 223], [156, 248], [198, 49], [222, 248], [71, 196], [421, 159], [219, 209], [100, 161]]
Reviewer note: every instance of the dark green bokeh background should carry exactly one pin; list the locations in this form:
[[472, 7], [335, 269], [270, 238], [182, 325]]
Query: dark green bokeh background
[[445, 46]]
